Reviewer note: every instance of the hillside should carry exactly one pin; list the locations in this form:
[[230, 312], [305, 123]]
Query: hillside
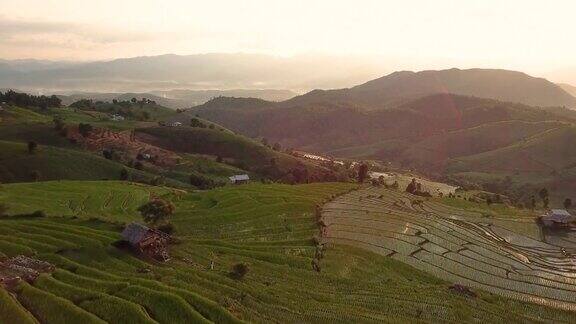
[[53, 163], [113, 201], [326, 127], [429, 134], [179, 99], [236, 150], [269, 227], [396, 88], [568, 88]]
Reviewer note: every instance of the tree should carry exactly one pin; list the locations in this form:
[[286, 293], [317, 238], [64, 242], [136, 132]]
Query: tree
[[85, 129], [277, 146], [133, 100], [107, 154], [201, 182], [32, 147], [157, 211], [35, 175], [195, 122], [543, 193], [138, 165], [58, 123], [567, 203], [240, 270], [124, 174], [362, 172], [411, 188], [532, 202]]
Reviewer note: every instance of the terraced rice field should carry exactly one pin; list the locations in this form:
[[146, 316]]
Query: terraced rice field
[[269, 227], [453, 244], [108, 200]]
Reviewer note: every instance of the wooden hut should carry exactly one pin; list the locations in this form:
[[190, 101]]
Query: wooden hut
[[557, 218], [147, 241]]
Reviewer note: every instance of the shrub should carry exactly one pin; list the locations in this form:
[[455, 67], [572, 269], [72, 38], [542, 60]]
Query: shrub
[[38, 214], [35, 175], [32, 147], [85, 129], [167, 228], [240, 270], [201, 181], [124, 174], [138, 165], [156, 211]]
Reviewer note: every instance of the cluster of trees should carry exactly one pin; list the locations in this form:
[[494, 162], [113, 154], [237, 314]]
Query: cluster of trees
[[123, 108], [157, 213], [195, 122], [27, 100], [203, 182]]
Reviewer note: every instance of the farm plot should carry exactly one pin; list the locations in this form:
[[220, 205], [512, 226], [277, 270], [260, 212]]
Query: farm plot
[[456, 245], [271, 228], [108, 200]]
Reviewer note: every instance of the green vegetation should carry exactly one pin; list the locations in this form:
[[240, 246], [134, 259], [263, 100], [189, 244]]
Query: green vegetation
[[11, 311], [236, 150], [106, 200], [142, 110], [267, 228], [52, 163]]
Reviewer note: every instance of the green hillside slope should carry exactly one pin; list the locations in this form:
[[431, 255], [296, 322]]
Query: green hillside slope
[[53, 163], [237, 150], [268, 227], [108, 200]]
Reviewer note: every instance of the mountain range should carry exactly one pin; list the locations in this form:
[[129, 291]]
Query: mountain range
[[196, 72], [450, 122]]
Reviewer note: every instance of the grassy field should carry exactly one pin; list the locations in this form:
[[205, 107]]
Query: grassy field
[[268, 227], [106, 200]]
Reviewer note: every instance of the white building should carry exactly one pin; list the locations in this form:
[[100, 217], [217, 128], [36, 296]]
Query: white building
[[239, 178], [117, 117]]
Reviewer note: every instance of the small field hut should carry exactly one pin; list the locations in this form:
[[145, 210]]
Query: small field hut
[[239, 179], [557, 218], [147, 241]]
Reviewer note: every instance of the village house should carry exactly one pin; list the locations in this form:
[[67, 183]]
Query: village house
[[557, 218], [174, 124], [148, 241], [239, 179]]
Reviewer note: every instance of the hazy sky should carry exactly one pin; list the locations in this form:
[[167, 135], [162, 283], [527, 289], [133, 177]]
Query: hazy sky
[[531, 35]]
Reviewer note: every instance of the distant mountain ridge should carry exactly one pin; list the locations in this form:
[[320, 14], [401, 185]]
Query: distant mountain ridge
[[568, 88], [196, 72], [418, 121], [395, 88], [179, 99]]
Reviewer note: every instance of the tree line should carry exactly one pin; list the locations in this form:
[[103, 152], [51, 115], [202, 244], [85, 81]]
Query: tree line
[[27, 100]]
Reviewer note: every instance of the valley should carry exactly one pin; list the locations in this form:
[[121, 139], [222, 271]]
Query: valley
[[349, 208]]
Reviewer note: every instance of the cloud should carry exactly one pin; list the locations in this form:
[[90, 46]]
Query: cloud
[[50, 33]]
